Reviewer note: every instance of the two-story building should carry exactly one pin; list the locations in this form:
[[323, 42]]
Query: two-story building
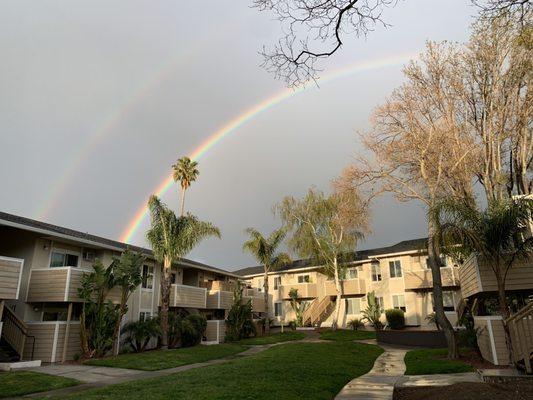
[[40, 270], [398, 275]]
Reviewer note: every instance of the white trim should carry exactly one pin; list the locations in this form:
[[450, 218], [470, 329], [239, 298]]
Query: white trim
[[72, 322], [54, 344], [492, 344], [489, 317], [219, 306], [62, 269], [28, 287], [21, 260], [478, 274], [67, 283], [218, 328]]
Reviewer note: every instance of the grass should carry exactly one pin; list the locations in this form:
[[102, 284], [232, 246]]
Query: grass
[[433, 361], [311, 371], [164, 359], [18, 383], [344, 335], [274, 338]]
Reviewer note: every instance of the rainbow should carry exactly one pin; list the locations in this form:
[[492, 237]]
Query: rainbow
[[250, 114]]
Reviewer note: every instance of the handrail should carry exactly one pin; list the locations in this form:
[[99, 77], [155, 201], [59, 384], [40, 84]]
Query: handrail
[[15, 332]]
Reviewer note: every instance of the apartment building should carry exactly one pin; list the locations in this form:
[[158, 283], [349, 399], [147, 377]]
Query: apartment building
[[397, 274], [40, 270]]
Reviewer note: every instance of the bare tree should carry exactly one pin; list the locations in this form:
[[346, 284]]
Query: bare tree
[[419, 151], [521, 9], [314, 30]]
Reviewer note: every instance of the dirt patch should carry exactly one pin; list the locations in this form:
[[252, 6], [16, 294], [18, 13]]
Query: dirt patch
[[470, 357], [517, 390]]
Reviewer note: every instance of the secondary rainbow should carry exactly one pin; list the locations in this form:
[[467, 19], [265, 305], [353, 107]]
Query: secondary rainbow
[[251, 113]]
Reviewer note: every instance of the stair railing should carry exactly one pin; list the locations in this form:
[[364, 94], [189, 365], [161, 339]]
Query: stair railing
[[15, 332]]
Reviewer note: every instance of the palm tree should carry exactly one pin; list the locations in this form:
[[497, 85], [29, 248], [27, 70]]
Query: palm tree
[[496, 234], [265, 252], [185, 172], [127, 276], [172, 238]]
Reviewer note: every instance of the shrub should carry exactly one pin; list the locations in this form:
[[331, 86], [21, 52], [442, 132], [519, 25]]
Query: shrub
[[395, 318], [192, 329], [239, 323], [139, 333], [292, 325], [372, 313], [355, 324]]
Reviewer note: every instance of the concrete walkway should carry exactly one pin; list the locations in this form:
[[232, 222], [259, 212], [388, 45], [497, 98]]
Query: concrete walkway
[[378, 384], [437, 379]]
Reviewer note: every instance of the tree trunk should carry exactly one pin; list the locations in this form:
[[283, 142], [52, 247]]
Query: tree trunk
[[182, 201], [504, 311], [122, 311], [267, 317], [165, 300], [434, 263], [338, 287]]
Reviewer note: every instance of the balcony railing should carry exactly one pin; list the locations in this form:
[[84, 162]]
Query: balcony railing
[[59, 285], [218, 285], [188, 296], [305, 290], [423, 279], [219, 299], [10, 272], [355, 286], [258, 302]]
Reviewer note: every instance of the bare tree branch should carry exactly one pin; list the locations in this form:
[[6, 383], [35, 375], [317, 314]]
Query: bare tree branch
[[324, 23]]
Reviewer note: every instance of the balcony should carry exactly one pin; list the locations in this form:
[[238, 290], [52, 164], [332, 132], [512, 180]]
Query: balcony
[[350, 287], [257, 299], [305, 290], [222, 286], [476, 276], [423, 279], [10, 272], [59, 284], [218, 299], [188, 296]]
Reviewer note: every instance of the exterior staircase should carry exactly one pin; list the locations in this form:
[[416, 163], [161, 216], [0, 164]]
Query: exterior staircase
[[521, 330], [318, 311], [14, 337]]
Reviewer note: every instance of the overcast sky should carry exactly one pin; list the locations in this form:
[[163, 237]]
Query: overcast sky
[[99, 98]]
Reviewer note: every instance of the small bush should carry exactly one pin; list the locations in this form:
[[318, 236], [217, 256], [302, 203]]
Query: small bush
[[192, 329], [292, 325], [355, 324], [395, 318]]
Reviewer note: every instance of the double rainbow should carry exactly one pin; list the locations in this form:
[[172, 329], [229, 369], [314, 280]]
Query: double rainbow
[[250, 114]]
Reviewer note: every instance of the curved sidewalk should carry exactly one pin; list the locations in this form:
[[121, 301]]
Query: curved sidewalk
[[379, 383]]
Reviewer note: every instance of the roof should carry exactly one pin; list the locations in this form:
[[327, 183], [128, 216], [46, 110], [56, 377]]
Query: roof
[[400, 247], [86, 238]]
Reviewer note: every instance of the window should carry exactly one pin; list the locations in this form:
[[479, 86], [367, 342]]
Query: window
[[173, 276], [443, 262], [353, 306], [89, 256], [144, 315], [376, 272], [395, 268], [277, 282], [148, 277], [351, 273], [303, 279], [398, 301], [278, 309], [380, 302], [63, 259], [447, 300]]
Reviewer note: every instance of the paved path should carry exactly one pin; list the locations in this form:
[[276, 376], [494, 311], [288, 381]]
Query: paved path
[[437, 379], [378, 384]]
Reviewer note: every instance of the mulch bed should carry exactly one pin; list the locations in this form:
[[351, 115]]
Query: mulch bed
[[516, 390]]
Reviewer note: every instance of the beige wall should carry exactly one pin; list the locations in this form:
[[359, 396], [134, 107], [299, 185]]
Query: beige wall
[[491, 339], [418, 302]]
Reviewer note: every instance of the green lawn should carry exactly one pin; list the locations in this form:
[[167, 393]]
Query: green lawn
[[309, 371], [163, 359], [344, 335], [18, 383], [433, 361], [274, 338]]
